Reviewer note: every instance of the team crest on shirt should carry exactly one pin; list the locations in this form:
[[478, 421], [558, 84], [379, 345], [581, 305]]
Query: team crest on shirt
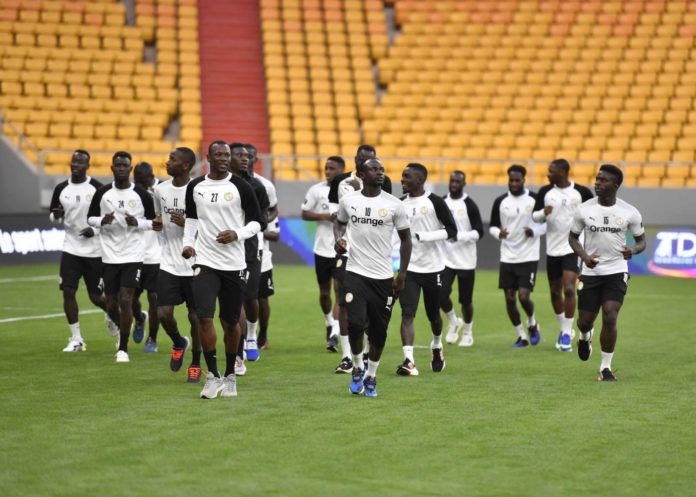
[[574, 202], [529, 208], [424, 210], [619, 221], [132, 203], [349, 298], [460, 212], [229, 196], [88, 197], [383, 212]]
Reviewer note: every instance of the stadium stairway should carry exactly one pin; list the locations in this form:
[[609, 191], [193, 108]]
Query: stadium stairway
[[233, 91]]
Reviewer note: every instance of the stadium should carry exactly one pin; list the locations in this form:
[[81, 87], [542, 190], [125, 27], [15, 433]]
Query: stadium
[[456, 85]]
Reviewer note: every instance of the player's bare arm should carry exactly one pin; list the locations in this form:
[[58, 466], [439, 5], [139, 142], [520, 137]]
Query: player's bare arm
[[339, 231], [637, 248], [589, 260], [405, 257]]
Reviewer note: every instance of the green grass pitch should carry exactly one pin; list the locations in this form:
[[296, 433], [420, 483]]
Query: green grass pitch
[[497, 422]]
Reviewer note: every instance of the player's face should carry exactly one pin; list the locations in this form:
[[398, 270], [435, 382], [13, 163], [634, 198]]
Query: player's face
[[79, 165], [331, 170], [410, 180], [555, 174], [219, 158], [121, 168], [252, 157], [240, 160], [362, 156], [373, 173], [605, 184], [515, 182], [457, 183], [175, 166], [143, 179]]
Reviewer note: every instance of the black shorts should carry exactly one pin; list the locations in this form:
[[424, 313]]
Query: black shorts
[[253, 277], [465, 281], [74, 267], [593, 291], [117, 276], [266, 284], [226, 287], [431, 283], [369, 303], [174, 290], [519, 275], [329, 267], [555, 266], [148, 278]]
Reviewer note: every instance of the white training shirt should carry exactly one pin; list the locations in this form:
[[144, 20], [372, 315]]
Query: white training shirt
[[565, 202], [605, 231], [371, 222], [428, 213], [272, 202], [75, 199], [267, 256], [213, 206], [462, 253], [153, 249], [120, 243], [317, 200], [172, 199], [514, 213]]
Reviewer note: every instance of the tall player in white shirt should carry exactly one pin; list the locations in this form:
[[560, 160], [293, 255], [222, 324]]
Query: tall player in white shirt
[[81, 257], [512, 224], [431, 224], [266, 286], [460, 260], [605, 221], [316, 208], [175, 277], [221, 212], [369, 218]]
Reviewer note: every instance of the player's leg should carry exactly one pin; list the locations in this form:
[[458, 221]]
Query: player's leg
[[431, 284], [111, 280], [379, 309], [356, 307], [408, 299], [266, 289], [339, 274], [454, 322], [613, 292], [139, 315], [207, 285], [193, 373], [129, 280], [91, 273], [170, 293], [251, 310], [323, 268], [70, 273], [589, 303], [231, 296], [507, 282], [526, 276], [466, 279]]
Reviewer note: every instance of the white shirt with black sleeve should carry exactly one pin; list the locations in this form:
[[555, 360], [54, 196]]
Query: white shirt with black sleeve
[[214, 206], [75, 199], [431, 225], [605, 231], [514, 213], [317, 200], [120, 243], [171, 199], [461, 254], [153, 250], [565, 202], [371, 223]]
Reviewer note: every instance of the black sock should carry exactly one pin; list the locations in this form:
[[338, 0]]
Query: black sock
[[196, 358], [123, 342], [211, 362], [153, 335], [263, 334], [177, 340], [240, 348], [230, 358]]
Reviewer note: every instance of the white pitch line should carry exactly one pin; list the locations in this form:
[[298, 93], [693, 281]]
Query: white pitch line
[[29, 278], [44, 316]]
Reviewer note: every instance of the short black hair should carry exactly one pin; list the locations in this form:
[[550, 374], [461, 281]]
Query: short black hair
[[216, 142], [250, 146], [187, 154], [562, 164], [236, 145], [614, 171], [83, 152], [367, 148], [122, 154], [338, 160], [516, 168], [420, 168], [460, 173], [143, 168]]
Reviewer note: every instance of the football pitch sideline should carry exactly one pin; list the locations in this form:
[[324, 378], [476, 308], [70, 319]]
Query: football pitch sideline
[[497, 421]]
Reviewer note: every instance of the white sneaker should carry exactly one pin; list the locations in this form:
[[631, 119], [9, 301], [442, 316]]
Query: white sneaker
[[453, 330], [213, 386], [239, 367], [111, 326], [467, 340], [122, 356], [75, 345], [229, 386]]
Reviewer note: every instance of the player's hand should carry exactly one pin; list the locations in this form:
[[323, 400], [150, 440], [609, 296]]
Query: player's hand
[[591, 261], [503, 234], [627, 252], [355, 184], [107, 219], [341, 246], [398, 284], [130, 220], [58, 212], [87, 233], [177, 218], [529, 232], [548, 209], [329, 217], [227, 236], [188, 252], [157, 223]]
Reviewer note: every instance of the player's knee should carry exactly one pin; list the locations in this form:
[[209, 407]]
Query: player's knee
[[569, 291], [379, 340], [407, 318], [69, 293]]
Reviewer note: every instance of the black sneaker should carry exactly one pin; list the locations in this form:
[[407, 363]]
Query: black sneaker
[[438, 361], [606, 375], [584, 349], [332, 343], [520, 343], [345, 367]]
